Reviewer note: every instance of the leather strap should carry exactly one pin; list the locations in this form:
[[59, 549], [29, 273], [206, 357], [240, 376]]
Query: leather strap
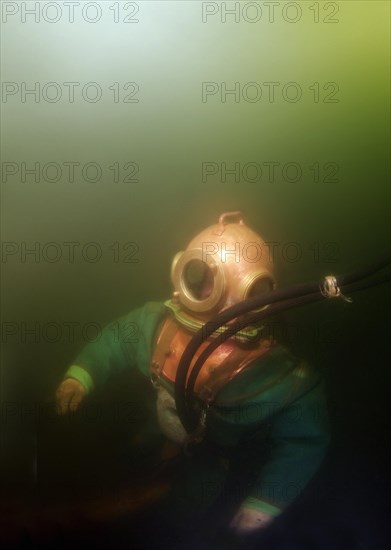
[[165, 336]]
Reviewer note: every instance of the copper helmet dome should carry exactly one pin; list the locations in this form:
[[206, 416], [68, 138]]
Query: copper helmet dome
[[224, 264]]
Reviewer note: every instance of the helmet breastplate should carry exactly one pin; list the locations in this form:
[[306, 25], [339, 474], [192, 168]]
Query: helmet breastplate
[[224, 363]]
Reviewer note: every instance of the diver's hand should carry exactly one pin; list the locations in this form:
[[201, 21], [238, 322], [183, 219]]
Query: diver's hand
[[248, 520], [69, 395]]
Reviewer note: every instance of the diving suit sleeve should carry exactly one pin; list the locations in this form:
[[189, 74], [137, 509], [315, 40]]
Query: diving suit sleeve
[[122, 344], [299, 440]]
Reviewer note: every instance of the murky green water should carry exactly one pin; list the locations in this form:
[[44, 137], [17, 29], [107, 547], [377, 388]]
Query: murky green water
[[142, 133]]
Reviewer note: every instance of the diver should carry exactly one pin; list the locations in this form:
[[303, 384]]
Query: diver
[[264, 430]]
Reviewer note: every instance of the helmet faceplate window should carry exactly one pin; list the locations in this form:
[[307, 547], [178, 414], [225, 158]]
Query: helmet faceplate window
[[198, 279], [200, 282]]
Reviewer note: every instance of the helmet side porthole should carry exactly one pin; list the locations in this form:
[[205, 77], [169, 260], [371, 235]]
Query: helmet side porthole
[[260, 287]]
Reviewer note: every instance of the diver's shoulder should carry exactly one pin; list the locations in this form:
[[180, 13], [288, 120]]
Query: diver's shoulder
[[147, 313], [154, 308]]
